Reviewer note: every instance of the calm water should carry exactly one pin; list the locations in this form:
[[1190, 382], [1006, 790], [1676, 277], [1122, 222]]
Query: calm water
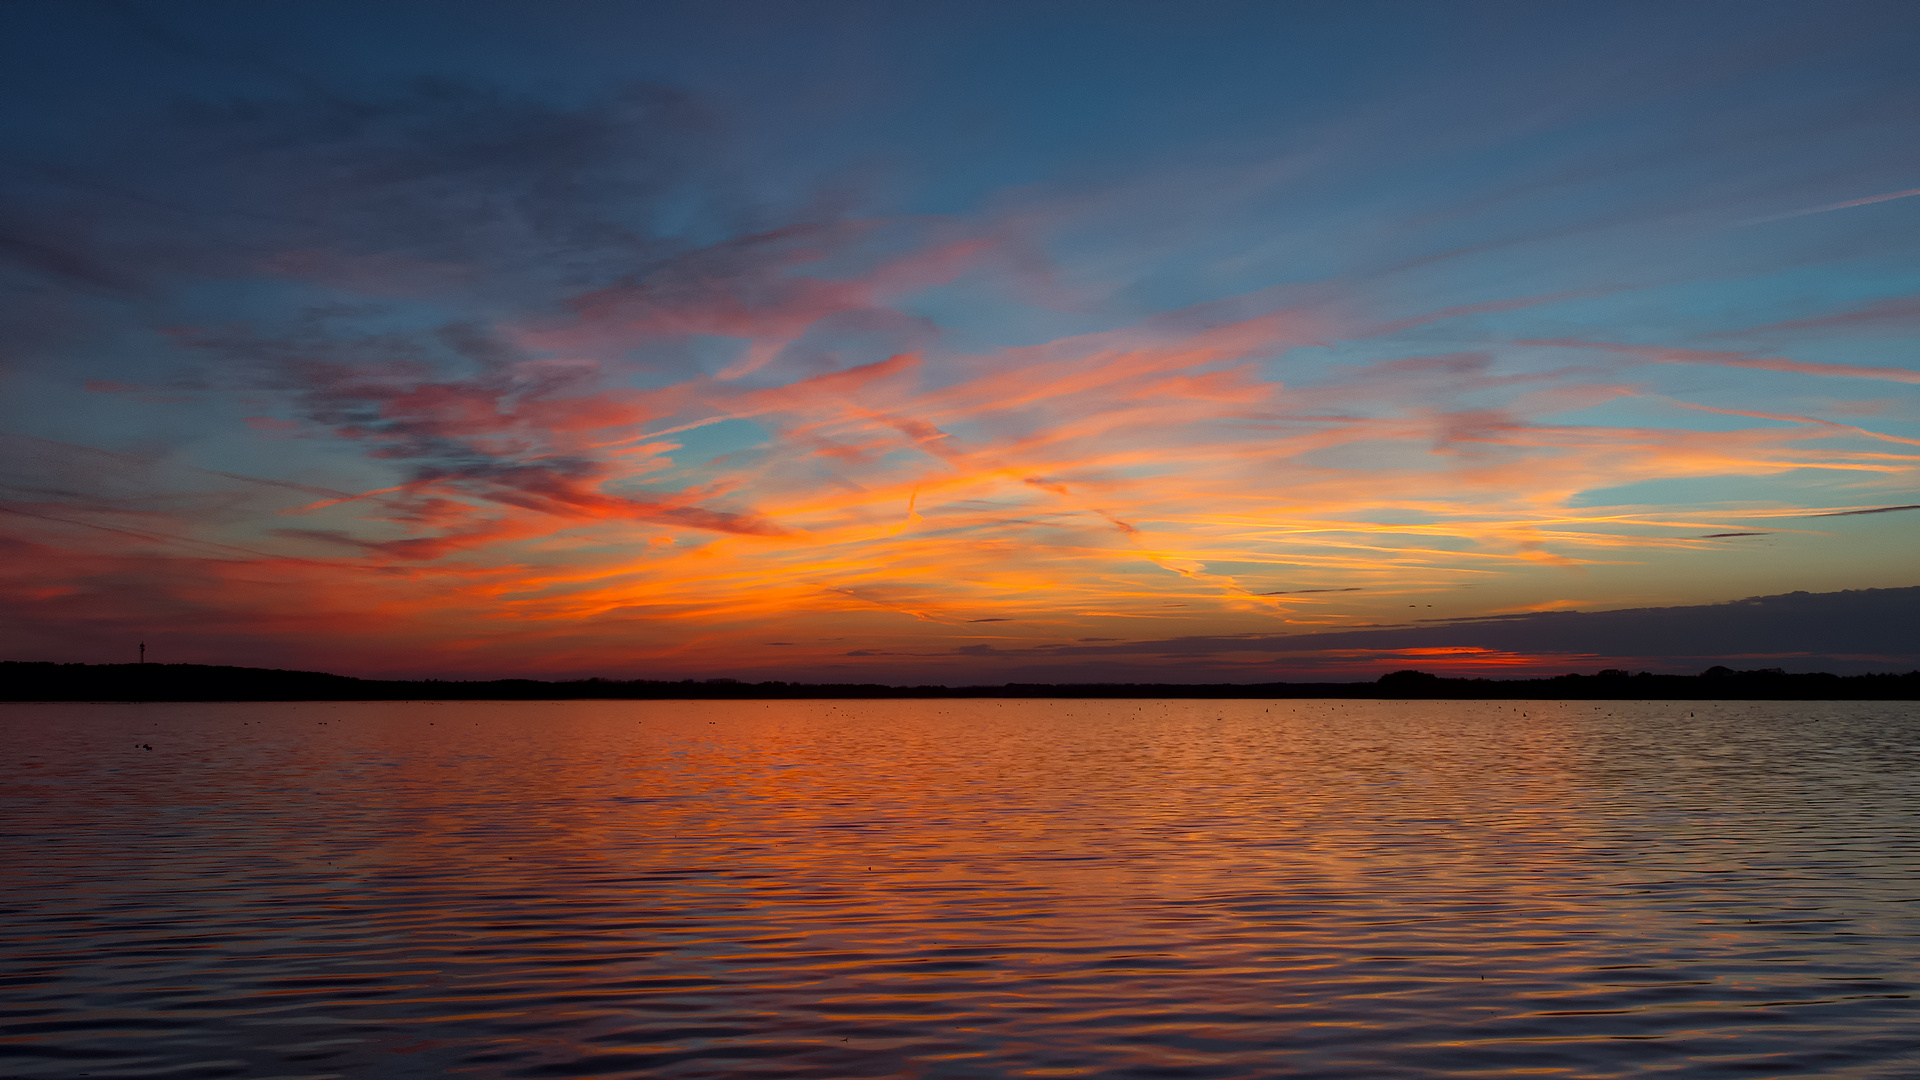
[[961, 889]]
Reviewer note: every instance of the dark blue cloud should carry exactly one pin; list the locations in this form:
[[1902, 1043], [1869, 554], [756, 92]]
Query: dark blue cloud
[[1816, 631]]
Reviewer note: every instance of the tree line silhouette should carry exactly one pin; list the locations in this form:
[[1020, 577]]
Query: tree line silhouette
[[36, 681]]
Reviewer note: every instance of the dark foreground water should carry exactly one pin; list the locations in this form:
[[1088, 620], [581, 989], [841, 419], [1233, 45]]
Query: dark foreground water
[[960, 889]]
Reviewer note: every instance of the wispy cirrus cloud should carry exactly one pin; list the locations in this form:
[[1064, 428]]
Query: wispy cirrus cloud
[[1653, 354], [552, 393], [1899, 314], [1845, 204], [1139, 475]]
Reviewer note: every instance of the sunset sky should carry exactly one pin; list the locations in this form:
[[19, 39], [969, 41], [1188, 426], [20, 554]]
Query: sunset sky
[[959, 342]]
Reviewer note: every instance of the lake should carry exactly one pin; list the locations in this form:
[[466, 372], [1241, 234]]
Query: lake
[[961, 888]]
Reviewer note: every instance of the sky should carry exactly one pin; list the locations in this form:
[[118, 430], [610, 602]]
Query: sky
[[960, 342]]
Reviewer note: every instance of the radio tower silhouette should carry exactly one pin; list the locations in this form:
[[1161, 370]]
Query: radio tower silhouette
[[143, 652]]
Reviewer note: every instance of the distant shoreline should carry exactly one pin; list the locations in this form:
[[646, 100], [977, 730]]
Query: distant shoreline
[[22, 681]]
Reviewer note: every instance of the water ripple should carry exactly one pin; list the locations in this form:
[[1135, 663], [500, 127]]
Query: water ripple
[[960, 889]]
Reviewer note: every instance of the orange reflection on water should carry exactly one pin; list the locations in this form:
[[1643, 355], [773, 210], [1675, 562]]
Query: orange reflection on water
[[1228, 888]]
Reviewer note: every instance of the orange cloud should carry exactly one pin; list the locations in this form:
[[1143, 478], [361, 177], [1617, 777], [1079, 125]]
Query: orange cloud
[[1125, 483]]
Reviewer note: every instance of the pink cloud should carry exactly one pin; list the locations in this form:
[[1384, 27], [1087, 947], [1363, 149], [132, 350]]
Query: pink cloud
[[1653, 354], [1137, 480], [1900, 313]]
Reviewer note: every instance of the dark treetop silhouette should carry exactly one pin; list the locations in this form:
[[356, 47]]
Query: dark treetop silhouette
[[201, 682]]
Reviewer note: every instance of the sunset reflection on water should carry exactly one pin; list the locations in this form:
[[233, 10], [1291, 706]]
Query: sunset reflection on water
[[970, 888]]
